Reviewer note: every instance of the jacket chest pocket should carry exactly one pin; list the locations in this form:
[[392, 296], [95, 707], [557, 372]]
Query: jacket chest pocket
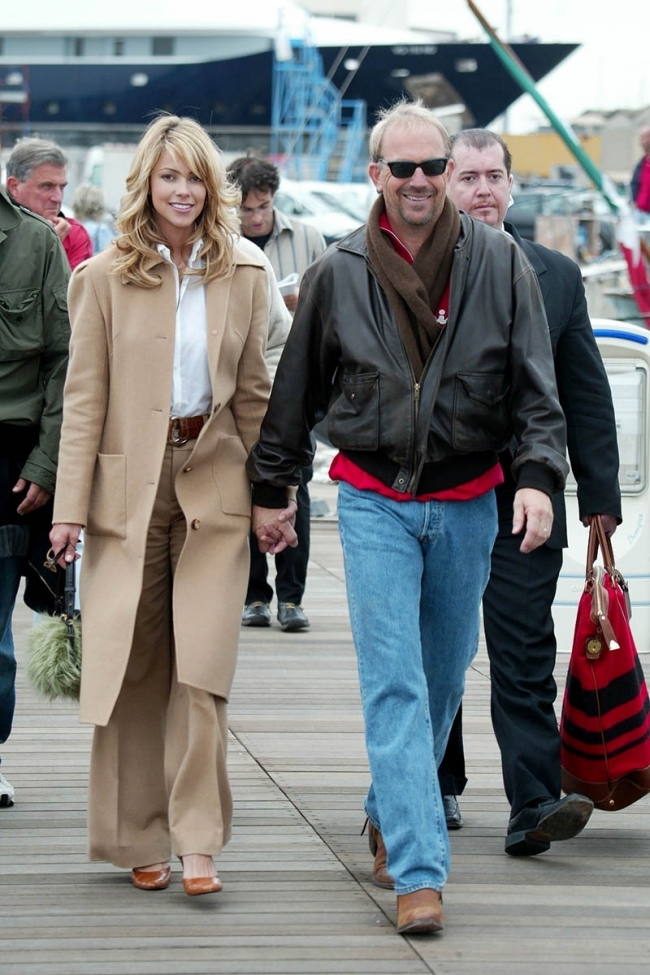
[[480, 419], [353, 417], [21, 334]]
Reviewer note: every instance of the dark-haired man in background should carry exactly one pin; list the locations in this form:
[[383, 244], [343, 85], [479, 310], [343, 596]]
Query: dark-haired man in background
[[517, 602], [291, 246]]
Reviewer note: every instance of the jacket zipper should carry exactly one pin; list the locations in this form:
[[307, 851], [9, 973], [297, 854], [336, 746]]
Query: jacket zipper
[[410, 487]]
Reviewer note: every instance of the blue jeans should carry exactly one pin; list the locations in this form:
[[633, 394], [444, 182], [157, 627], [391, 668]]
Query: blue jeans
[[9, 582], [415, 574]]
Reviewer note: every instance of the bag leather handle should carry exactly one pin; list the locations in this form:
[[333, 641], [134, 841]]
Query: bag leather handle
[[599, 539]]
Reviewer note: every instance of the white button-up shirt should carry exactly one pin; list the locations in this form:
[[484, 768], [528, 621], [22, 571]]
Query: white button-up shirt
[[191, 385]]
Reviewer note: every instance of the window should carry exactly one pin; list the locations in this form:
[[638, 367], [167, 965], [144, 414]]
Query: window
[[78, 46], [162, 46], [118, 47]]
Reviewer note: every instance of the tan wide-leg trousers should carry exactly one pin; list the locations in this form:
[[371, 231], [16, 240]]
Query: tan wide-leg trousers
[[158, 779]]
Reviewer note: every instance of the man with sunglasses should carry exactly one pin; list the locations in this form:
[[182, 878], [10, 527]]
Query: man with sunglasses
[[422, 337], [517, 602]]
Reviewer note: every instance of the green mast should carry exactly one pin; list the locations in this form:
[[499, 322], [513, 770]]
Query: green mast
[[515, 68]]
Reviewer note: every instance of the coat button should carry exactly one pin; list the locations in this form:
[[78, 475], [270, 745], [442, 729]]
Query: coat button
[[196, 523]]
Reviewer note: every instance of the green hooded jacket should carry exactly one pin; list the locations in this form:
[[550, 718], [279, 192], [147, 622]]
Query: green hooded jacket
[[34, 334]]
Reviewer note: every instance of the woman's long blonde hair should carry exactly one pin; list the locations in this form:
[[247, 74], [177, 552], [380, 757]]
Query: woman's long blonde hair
[[139, 236]]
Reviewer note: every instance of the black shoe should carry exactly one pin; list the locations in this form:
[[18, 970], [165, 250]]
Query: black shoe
[[256, 614], [292, 617], [534, 829], [453, 817]]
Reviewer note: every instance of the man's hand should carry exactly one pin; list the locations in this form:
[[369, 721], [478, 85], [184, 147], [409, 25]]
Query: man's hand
[[610, 523], [62, 227], [291, 301], [274, 527], [63, 539], [35, 498], [533, 510]]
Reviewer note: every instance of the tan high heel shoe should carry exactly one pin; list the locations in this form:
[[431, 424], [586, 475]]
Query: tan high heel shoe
[[151, 879], [202, 885]]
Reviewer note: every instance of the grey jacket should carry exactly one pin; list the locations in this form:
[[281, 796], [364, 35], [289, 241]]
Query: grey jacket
[[490, 376]]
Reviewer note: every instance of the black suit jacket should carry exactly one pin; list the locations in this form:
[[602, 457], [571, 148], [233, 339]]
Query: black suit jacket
[[583, 390]]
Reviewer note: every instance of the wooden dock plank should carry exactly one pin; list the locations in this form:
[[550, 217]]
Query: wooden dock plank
[[298, 897]]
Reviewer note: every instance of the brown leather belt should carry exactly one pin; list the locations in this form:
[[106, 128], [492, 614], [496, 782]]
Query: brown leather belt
[[184, 428]]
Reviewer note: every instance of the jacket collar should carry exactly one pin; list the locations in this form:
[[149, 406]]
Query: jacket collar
[[531, 251], [281, 222], [240, 256], [355, 243]]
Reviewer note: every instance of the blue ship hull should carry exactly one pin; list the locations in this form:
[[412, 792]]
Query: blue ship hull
[[235, 93]]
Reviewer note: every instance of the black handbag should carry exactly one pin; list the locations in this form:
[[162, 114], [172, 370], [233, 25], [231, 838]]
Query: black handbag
[[54, 644], [44, 579]]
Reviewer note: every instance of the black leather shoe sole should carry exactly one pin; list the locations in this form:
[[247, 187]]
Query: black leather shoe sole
[[256, 614], [558, 821], [453, 818], [292, 618]]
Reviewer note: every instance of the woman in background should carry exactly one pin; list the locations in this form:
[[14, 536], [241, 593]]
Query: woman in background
[[89, 209], [166, 390]]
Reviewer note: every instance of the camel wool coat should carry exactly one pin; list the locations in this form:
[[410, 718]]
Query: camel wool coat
[[115, 425]]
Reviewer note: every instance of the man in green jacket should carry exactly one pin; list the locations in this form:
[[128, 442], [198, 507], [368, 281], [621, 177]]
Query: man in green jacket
[[34, 339]]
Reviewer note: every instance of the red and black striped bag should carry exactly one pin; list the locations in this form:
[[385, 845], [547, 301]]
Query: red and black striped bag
[[605, 724]]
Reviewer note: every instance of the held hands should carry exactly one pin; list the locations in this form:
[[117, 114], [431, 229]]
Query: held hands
[[35, 497], [533, 510], [64, 538], [274, 527]]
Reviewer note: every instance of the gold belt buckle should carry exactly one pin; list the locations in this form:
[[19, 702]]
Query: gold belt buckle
[[175, 436]]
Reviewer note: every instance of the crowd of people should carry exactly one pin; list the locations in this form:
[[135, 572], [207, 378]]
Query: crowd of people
[[163, 402]]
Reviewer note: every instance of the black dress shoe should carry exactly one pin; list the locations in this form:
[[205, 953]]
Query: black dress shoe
[[534, 829], [256, 614], [453, 817], [292, 617]]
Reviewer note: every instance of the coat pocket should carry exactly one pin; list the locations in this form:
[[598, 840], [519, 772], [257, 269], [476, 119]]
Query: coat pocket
[[353, 417], [107, 508], [480, 419], [229, 474], [21, 334]]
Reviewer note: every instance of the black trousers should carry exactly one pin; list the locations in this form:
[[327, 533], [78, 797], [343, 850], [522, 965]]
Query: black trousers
[[521, 646], [290, 565]]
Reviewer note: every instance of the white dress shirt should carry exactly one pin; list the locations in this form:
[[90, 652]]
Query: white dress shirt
[[191, 385]]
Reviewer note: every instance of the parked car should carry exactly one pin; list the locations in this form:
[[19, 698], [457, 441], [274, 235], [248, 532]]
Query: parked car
[[328, 216], [534, 201], [353, 198]]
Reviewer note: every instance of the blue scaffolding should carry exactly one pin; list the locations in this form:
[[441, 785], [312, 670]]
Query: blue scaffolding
[[316, 134]]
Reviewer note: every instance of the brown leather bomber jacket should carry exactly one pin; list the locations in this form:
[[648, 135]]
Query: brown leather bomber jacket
[[490, 377]]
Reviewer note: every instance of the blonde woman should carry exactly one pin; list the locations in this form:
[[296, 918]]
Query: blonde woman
[[165, 393]]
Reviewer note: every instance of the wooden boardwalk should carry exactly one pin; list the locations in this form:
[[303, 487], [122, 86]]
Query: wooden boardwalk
[[297, 896]]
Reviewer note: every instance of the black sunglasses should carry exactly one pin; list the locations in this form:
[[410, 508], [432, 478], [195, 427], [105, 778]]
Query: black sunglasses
[[404, 168]]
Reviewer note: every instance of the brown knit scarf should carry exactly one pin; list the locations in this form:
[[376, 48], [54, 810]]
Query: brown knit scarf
[[414, 290]]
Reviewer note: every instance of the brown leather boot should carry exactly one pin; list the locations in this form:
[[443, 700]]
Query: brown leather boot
[[380, 875], [420, 912]]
